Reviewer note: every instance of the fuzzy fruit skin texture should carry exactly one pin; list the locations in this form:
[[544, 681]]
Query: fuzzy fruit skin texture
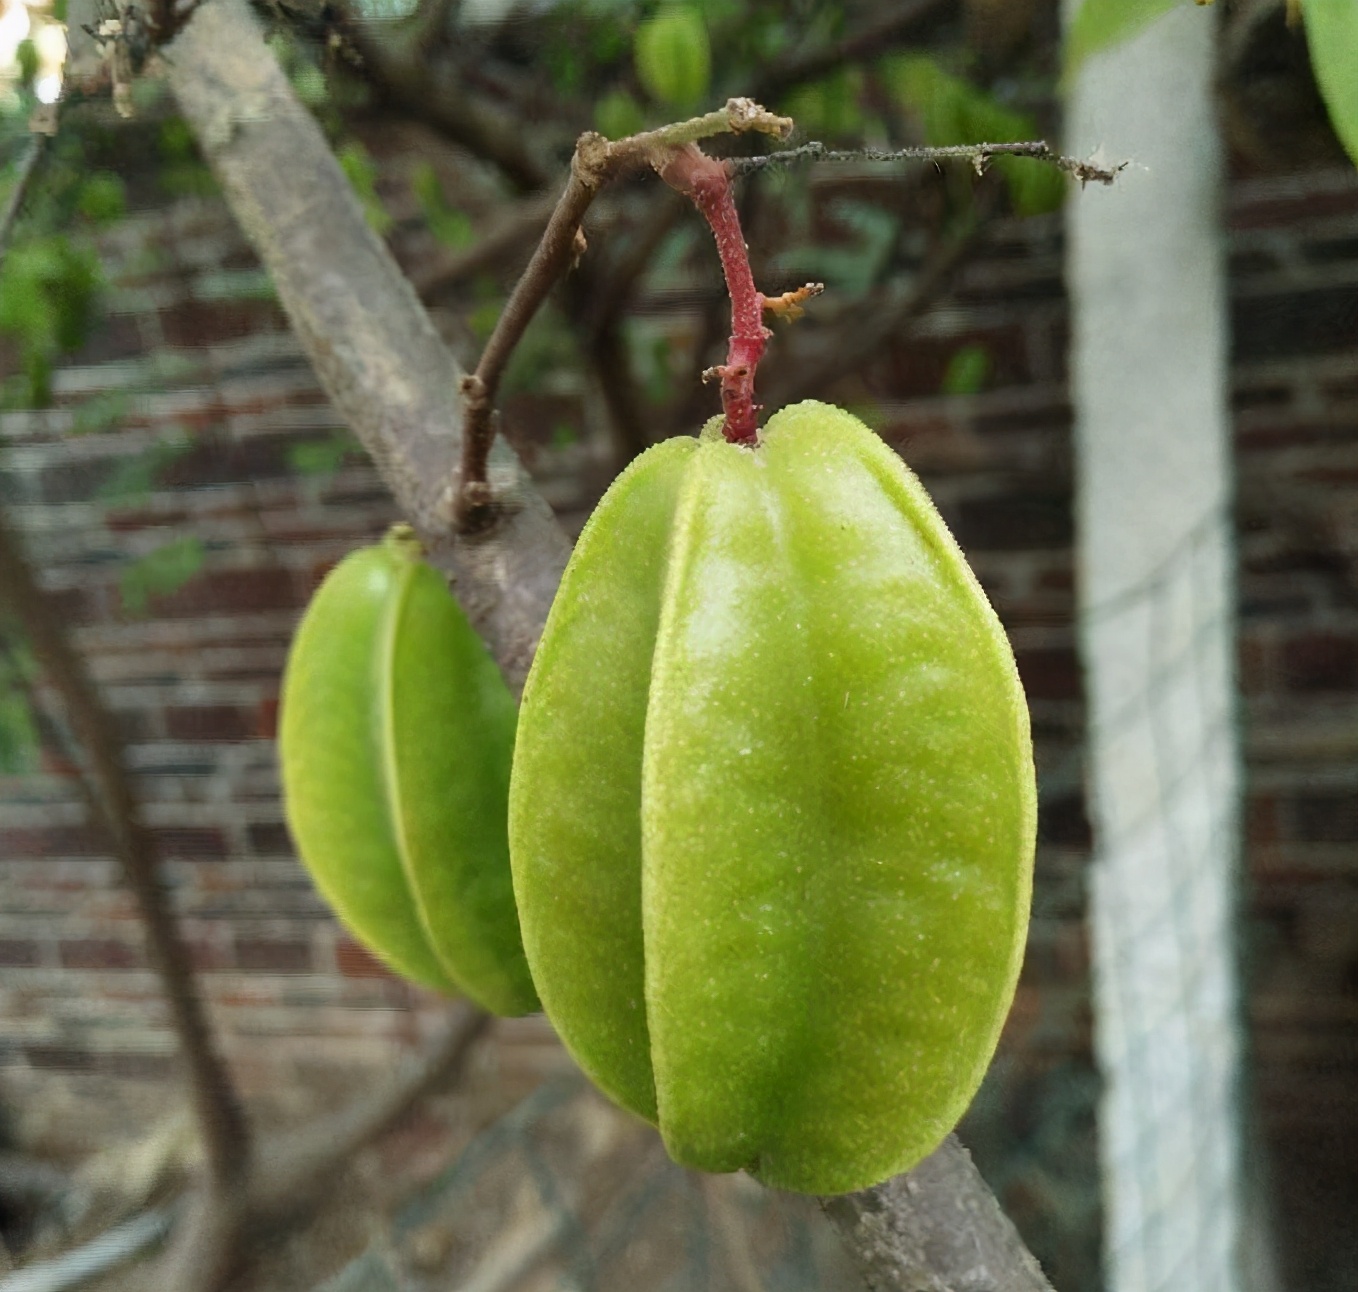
[[773, 807], [396, 735]]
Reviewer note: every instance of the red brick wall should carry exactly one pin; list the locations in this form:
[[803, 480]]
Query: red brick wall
[[195, 681]]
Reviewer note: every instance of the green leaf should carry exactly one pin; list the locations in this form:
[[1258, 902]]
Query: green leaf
[[967, 371], [1332, 34], [26, 56], [362, 174], [160, 572], [1100, 24], [483, 318], [176, 140], [651, 362], [673, 57]]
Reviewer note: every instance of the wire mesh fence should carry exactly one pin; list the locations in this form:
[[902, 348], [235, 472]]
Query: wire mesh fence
[[1162, 907]]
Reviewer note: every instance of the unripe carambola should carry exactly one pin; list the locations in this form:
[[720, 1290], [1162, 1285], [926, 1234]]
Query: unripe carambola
[[396, 733], [773, 810]]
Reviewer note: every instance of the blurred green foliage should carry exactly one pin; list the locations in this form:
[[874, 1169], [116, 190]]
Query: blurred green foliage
[[160, 572], [357, 164], [952, 111], [617, 114], [19, 744], [51, 278], [674, 58], [324, 457], [450, 226], [967, 371], [48, 288], [182, 172], [135, 478]]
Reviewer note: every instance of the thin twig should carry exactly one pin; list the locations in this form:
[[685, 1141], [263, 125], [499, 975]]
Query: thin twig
[[979, 155], [596, 162], [611, 366]]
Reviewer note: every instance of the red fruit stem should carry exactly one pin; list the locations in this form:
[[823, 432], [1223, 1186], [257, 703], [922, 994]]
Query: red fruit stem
[[708, 182]]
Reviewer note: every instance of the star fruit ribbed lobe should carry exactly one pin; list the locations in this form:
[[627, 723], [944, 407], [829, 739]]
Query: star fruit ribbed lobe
[[396, 733], [772, 812]]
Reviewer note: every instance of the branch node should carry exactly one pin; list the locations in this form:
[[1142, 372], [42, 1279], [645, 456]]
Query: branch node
[[593, 159], [597, 161], [746, 114], [475, 396]]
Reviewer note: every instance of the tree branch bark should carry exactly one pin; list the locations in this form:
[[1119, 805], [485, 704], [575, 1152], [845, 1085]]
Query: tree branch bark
[[382, 364], [937, 1228], [373, 346]]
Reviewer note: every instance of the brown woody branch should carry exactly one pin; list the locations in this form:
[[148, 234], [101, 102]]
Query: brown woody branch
[[220, 1236], [605, 348], [596, 162], [346, 298], [615, 289], [374, 348]]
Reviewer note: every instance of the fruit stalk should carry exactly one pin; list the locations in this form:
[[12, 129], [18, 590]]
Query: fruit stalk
[[708, 182]]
